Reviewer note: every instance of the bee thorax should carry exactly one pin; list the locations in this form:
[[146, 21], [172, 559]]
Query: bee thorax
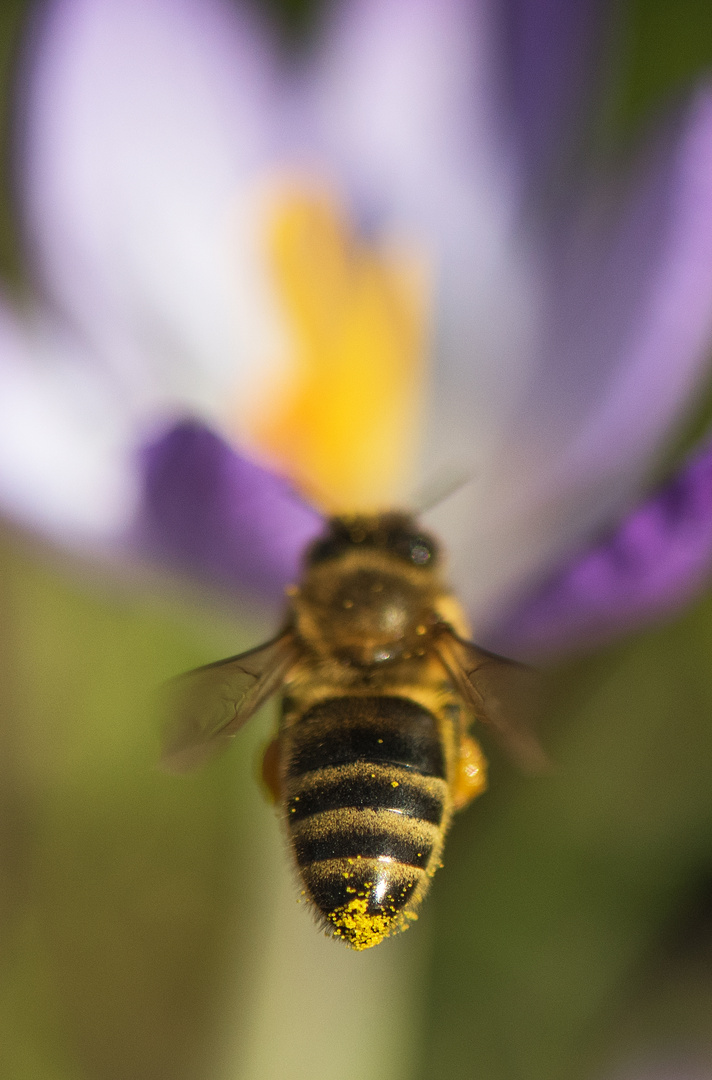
[[363, 616]]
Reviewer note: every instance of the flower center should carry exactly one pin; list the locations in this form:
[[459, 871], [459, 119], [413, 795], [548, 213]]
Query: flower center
[[341, 418]]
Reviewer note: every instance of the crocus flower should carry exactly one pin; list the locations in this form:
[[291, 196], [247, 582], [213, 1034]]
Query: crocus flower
[[358, 273]]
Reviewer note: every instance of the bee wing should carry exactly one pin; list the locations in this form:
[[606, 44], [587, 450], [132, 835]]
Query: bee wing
[[503, 693], [208, 706]]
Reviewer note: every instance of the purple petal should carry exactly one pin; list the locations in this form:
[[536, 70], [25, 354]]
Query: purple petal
[[549, 49], [629, 304], [219, 517], [655, 562], [621, 348]]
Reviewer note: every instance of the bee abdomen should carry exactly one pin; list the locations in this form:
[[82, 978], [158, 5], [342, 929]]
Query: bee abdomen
[[366, 809]]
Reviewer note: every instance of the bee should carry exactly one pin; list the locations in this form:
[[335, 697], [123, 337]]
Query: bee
[[373, 753]]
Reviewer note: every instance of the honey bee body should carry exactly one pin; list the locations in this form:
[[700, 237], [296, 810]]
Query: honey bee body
[[373, 753], [369, 736]]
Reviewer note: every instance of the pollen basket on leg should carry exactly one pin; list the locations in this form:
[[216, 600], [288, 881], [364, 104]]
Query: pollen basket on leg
[[342, 417]]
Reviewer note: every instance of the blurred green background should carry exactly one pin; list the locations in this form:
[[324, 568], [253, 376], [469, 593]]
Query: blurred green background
[[148, 924]]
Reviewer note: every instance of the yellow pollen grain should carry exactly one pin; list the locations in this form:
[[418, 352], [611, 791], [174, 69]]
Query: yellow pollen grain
[[361, 929], [342, 418], [394, 783]]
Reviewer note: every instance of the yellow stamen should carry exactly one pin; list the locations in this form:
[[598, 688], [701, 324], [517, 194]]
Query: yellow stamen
[[342, 422]]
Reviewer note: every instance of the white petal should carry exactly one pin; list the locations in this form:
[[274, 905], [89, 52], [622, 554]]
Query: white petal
[[145, 120], [66, 463]]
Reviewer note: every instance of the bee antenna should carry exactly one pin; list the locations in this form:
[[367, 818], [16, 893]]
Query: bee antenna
[[438, 488]]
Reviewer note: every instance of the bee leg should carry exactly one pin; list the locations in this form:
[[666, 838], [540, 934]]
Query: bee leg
[[270, 770], [470, 775]]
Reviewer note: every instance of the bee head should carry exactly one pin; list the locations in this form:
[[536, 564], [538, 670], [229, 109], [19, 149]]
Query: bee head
[[393, 533]]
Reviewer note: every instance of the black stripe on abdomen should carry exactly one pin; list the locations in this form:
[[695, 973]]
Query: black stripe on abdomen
[[363, 834], [347, 730], [364, 787]]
